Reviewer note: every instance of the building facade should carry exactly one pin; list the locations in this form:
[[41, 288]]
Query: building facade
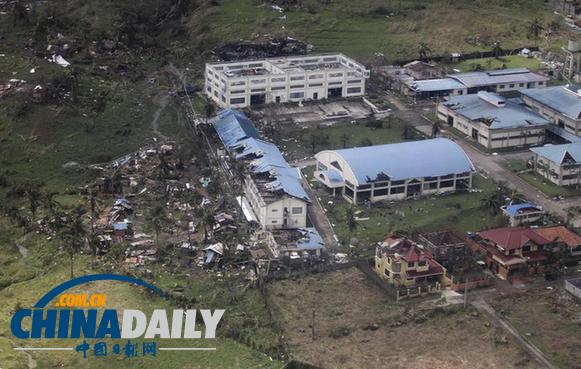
[[404, 263], [513, 252], [284, 79], [395, 171], [559, 104], [493, 121], [560, 164]]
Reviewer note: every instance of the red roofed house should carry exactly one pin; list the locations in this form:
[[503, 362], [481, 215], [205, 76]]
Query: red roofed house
[[402, 262], [513, 252], [561, 236]]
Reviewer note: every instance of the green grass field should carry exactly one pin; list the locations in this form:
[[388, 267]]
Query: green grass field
[[393, 28], [513, 61], [463, 211], [542, 184], [301, 143]]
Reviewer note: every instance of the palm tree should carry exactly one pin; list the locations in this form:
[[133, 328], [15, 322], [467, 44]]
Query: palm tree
[[345, 139], [350, 222], [496, 49], [50, 203], [535, 30], [493, 202], [157, 217], [424, 50], [73, 234], [207, 221], [209, 111]]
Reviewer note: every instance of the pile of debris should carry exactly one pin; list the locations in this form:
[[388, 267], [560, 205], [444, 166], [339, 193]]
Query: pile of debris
[[272, 47]]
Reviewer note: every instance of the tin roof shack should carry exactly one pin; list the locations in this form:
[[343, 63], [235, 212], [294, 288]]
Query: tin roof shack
[[564, 239], [404, 263], [513, 253], [521, 214], [302, 243], [213, 254]]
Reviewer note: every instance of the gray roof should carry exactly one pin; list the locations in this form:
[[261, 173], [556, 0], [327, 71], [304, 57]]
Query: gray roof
[[407, 160], [557, 153], [501, 76], [441, 84], [512, 115], [563, 99]]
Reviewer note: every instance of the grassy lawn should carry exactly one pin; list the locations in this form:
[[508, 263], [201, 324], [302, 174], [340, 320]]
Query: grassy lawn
[[549, 319], [460, 210], [513, 61], [541, 183], [393, 28], [302, 143]]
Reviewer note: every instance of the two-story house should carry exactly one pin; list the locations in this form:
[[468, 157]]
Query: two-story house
[[402, 262], [513, 252]]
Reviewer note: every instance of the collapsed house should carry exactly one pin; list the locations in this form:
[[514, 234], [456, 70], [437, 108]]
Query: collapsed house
[[300, 243]]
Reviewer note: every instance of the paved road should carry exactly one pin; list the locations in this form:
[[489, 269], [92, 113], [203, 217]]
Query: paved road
[[490, 164], [320, 220], [498, 321]]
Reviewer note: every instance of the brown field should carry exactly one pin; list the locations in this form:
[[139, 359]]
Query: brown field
[[550, 319], [357, 326]]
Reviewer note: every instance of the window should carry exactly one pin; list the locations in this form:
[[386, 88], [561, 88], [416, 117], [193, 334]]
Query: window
[[354, 81], [258, 81], [297, 86], [382, 192], [315, 85], [274, 221], [501, 86], [521, 85], [396, 190], [315, 76], [278, 79], [237, 100], [386, 272], [411, 265], [336, 165], [258, 90], [238, 83], [275, 210], [297, 95], [353, 90], [297, 210], [277, 88], [297, 78], [422, 263], [333, 75], [511, 85], [446, 184], [234, 92]]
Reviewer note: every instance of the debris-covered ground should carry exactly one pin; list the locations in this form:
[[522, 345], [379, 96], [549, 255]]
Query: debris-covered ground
[[357, 326], [548, 317]]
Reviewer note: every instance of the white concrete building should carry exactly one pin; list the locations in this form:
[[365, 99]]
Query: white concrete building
[[493, 121], [284, 79], [395, 171], [560, 164], [272, 187], [559, 104]]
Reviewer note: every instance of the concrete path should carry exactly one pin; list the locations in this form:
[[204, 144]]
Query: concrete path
[[320, 220], [498, 321]]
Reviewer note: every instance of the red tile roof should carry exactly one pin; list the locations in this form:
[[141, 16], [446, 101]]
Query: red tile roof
[[407, 250], [560, 234], [513, 238]]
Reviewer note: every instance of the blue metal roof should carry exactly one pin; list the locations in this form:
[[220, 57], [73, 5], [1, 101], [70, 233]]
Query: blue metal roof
[[120, 226], [311, 239], [407, 160], [556, 153], [514, 210], [233, 126], [241, 138], [512, 115], [501, 76], [333, 176], [563, 99], [442, 84]]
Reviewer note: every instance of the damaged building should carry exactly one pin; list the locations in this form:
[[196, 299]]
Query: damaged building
[[284, 79]]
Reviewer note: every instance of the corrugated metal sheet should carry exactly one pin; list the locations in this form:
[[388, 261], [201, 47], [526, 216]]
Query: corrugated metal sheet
[[233, 126], [556, 153], [503, 76]]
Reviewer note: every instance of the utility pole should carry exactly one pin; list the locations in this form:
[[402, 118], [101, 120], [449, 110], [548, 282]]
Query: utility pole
[[313, 326], [465, 293]]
